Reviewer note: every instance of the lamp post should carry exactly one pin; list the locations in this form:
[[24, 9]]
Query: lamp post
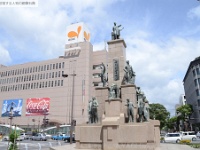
[[72, 123], [10, 117]]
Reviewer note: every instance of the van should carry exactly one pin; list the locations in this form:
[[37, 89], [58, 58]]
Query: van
[[190, 135], [25, 136], [173, 137]]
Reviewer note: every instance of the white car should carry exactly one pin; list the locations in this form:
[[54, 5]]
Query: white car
[[173, 137], [6, 138], [190, 135]]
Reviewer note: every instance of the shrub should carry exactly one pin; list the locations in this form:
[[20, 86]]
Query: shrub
[[13, 137], [185, 141]]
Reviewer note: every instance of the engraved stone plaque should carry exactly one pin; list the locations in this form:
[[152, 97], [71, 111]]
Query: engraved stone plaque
[[115, 69]]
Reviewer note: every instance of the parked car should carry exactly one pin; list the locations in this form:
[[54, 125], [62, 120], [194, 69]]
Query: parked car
[[190, 135], [198, 134], [39, 137], [48, 136], [19, 138], [59, 137], [173, 137], [67, 138], [25, 135]]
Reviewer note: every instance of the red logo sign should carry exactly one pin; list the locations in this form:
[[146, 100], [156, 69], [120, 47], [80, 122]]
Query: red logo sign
[[37, 106]]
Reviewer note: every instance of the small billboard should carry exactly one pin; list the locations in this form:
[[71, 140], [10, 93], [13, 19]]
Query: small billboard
[[77, 32], [12, 105], [37, 106]]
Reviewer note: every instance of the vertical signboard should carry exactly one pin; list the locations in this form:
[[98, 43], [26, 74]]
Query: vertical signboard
[[115, 69], [77, 32], [14, 105], [37, 106]]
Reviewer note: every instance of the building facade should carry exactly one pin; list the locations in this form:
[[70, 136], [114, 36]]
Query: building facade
[[191, 84], [37, 90]]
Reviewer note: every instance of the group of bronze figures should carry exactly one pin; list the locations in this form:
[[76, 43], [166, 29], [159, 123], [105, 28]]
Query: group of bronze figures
[[142, 107], [115, 92]]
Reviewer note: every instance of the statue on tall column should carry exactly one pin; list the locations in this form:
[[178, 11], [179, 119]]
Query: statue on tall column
[[129, 75], [116, 31], [130, 110]]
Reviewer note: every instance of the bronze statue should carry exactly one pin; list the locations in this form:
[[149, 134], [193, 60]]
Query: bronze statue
[[141, 111], [89, 111], [102, 75], [114, 92], [129, 75], [116, 31], [130, 110], [94, 112]]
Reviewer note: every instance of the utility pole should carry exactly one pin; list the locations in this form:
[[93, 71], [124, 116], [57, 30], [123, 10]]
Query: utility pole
[[72, 109]]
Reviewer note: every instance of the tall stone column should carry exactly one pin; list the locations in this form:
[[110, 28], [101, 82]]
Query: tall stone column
[[116, 61]]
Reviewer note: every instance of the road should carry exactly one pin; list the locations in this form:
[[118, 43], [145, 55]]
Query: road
[[33, 145]]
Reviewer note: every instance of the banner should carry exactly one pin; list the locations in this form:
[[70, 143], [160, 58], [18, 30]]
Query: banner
[[12, 105], [37, 106]]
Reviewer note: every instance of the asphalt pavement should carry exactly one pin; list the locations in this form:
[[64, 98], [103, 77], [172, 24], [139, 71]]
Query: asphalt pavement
[[61, 145]]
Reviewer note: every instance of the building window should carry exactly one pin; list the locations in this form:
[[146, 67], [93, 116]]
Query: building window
[[63, 64], [197, 92], [198, 101], [197, 69], [61, 82], [53, 66], [194, 73]]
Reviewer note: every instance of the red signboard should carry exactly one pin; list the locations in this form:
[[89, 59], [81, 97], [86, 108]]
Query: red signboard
[[37, 106]]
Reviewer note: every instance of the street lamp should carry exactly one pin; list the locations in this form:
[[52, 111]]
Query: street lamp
[[72, 123]]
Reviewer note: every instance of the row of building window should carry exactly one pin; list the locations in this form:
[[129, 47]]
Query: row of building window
[[197, 81], [31, 77], [32, 69], [196, 72], [35, 85], [197, 92]]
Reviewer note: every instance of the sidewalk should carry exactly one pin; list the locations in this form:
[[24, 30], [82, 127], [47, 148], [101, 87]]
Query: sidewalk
[[169, 146], [163, 146]]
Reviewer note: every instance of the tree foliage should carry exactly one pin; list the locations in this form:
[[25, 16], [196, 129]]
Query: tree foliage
[[184, 111], [13, 138], [171, 122], [159, 112]]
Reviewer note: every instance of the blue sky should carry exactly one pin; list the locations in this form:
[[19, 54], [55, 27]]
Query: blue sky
[[162, 37]]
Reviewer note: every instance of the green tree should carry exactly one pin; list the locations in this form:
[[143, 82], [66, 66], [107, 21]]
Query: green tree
[[184, 112], [159, 112], [171, 122], [13, 138]]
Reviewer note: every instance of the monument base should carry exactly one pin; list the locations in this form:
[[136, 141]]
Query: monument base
[[111, 135]]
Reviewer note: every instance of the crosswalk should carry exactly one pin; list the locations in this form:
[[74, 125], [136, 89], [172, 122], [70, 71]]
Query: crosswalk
[[30, 145]]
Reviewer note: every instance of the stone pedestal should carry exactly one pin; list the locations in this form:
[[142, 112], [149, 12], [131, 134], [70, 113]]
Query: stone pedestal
[[101, 93], [117, 53], [114, 134]]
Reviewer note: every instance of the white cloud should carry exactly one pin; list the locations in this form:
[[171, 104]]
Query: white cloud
[[160, 66], [4, 55], [194, 13]]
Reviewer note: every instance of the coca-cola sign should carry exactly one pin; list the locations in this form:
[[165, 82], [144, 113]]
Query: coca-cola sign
[[37, 106]]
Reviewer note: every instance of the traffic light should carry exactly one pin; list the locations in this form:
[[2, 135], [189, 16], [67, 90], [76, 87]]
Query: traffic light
[[45, 121]]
